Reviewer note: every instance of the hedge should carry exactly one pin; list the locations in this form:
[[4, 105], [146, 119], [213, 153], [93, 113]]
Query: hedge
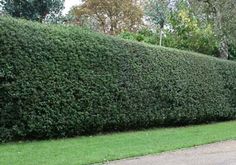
[[62, 81]]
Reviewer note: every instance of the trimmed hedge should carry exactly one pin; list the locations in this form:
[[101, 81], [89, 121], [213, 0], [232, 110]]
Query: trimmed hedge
[[58, 81]]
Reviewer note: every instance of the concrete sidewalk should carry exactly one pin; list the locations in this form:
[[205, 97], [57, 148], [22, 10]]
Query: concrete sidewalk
[[223, 153]]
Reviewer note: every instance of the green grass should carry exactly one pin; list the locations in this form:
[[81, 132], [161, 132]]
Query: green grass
[[88, 150]]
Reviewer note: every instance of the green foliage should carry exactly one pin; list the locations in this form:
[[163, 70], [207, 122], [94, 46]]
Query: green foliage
[[156, 12], [33, 9], [222, 13], [109, 16], [189, 33], [184, 29], [59, 81], [143, 35], [201, 40], [232, 51]]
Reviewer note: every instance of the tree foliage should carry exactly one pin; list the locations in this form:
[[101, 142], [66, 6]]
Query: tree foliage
[[183, 28], [156, 13], [33, 9], [205, 26], [189, 32], [223, 15], [155, 10], [110, 16]]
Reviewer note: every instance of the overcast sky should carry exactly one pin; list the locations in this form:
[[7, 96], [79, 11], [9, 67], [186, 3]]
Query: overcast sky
[[69, 3]]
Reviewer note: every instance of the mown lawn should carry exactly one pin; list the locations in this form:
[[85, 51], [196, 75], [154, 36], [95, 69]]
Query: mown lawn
[[88, 150]]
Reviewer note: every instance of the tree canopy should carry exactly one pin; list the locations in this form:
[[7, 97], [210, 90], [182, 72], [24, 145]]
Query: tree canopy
[[32, 9], [111, 16], [222, 14], [205, 26]]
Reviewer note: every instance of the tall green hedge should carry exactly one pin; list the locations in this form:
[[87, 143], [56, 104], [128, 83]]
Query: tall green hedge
[[59, 81]]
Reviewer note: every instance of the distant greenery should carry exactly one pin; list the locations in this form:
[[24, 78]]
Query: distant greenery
[[232, 50], [201, 26], [183, 30], [197, 41], [38, 10], [59, 81], [145, 35], [108, 16], [98, 149]]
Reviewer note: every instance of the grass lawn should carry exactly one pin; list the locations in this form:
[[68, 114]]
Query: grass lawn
[[88, 150]]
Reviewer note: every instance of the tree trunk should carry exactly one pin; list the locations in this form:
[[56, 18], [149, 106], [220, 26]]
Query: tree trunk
[[224, 49], [216, 9], [160, 42]]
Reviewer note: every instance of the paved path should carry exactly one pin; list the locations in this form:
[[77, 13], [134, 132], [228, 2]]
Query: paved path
[[223, 153]]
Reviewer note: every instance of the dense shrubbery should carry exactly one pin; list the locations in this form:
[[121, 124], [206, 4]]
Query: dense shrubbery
[[183, 29], [59, 81], [198, 41], [144, 35], [232, 52]]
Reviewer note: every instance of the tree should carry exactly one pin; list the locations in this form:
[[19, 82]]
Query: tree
[[112, 16], [183, 28], [155, 11], [223, 14], [33, 9]]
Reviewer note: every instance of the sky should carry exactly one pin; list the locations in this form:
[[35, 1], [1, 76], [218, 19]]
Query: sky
[[69, 3]]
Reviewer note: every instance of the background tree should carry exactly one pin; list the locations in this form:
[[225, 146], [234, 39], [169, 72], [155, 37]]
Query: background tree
[[190, 32], [183, 28], [223, 15], [156, 12], [112, 16], [32, 9]]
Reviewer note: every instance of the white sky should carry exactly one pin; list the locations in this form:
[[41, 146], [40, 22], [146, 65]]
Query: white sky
[[69, 3]]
